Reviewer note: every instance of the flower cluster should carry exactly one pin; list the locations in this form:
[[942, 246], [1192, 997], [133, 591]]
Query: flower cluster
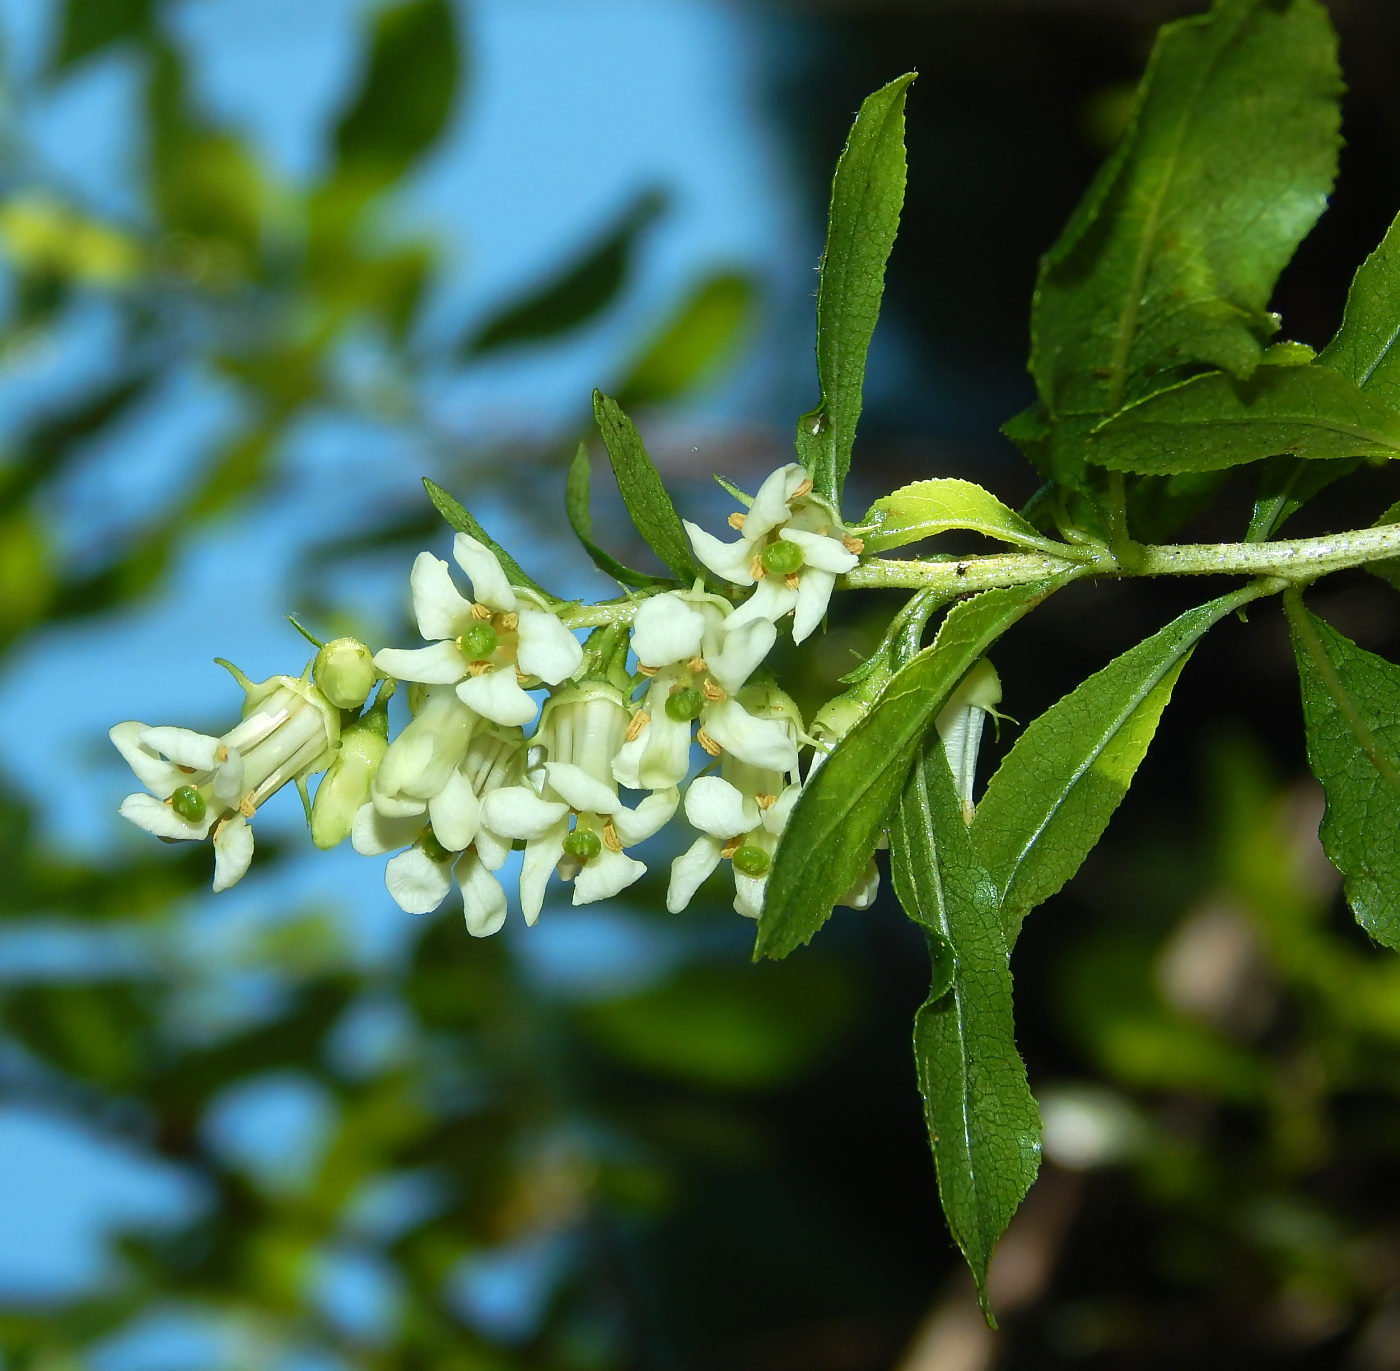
[[463, 784]]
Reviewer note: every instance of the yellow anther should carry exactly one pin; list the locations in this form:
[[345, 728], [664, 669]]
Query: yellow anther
[[791, 580], [508, 622], [731, 847], [696, 664], [480, 611], [855, 546], [648, 670], [804, 489], [707, 742], [736, 520], [756, 568], [765, 801], [610, 839], [639, 721], [713, 691]]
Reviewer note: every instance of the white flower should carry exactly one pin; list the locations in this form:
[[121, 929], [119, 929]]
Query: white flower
[[421, 760], [486, 649], [580, 733], [346, 785], [959, 724], [201, 784], [793, 547]]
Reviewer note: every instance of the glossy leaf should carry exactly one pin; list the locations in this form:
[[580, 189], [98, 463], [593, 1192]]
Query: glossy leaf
[[1351, 716], [847, 802], [1054, 793], [642, 492], [462, 521], [576, 502], [1365, 346], [576, 293], [925, 508], [867, 194], [983, 1124], [1214, 421]]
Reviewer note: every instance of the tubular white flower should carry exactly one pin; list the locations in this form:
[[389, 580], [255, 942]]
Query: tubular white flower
[[959, 724], [420, 760], [488, 649]]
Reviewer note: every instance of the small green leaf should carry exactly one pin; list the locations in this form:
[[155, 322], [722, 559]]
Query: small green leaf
[[462, 521], [1351, 716], [1054, 793], [1214, 421], [1364, 348], [982, 1119], [642, 492], [577, 293], [576, 491], [847, 801], [1286, 484], [867, 194], [927, 507]]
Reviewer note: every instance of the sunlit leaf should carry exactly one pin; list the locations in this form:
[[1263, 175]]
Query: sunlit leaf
[[1365, 346], [576, 502], [461, 519], [925, 508]]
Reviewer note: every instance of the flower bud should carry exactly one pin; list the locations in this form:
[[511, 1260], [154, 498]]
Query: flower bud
[[345, 786], [344, 672]]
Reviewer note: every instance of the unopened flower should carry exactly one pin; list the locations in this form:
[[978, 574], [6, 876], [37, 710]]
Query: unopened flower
[[421, 760], [959, 724], [488, 648], [792, 547], [202, 785], [345, 787], [344, 673]]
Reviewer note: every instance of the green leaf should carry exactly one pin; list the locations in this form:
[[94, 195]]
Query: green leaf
[[867, 194], [91, 25], [1159, 505], [576, 491], [1214, 421], [982, 1119], [642, 492], [462, 521], [927, 507], [1051, 799], [1364, 348], [847, 801], [1286, 484], [1173, 254], [703, 335], [577, 293], [1351, 716], [405, 94]]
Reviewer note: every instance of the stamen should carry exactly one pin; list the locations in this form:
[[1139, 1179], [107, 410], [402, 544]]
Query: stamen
[[713, 691], [696, 664], [804, 489], [756, 567], [791, 580], [736, 521], [648, 670], [188, 770], [610, 839], [481, 612], [221, 753], [731, 847], [707, 742], [639, 721], [855, 546], [508, 622], [246, 807], [478, 668], [765, 801]]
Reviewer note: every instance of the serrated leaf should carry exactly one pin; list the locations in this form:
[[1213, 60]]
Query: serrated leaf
[[576, 501], [576, 293], [1365, 346], [1351, 717], [867, 194], [847, 801], [462, 521], [925, 508], [1173, 254], [642, 491], [983, 1123], [1054, 793], [1215, 421]]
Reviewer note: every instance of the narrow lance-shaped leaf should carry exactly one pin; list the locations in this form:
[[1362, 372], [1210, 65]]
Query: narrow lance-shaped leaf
[[1365, 346], [1054, 793], [847, 801], [1351, 715], [925, 508], [462, 520], [982, 1119], [642, 492], [576, 493], [867, 194], [1286, 484]]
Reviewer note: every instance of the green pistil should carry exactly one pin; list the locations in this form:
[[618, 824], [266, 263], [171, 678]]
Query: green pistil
[[781, 558], [478, 642], [684, 705], [433, 850], [584, 844], [188, 803], [751, 861]]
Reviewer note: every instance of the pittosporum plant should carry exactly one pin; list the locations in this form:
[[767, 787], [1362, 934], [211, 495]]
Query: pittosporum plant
[[1156, 362]]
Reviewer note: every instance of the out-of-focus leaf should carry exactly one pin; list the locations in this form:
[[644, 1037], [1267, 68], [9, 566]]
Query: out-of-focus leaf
[[461, 520], [88, 26], [1364, 348], [925, 508], [704, 333], [576, 491], [867, 194], [982, 1119], [1159, 505], [406, 91], [642, 491], [1054, 793], [1286, 484], [847, 802], [577, 292], [1172, 255], [1215, 421], [1351, 715]]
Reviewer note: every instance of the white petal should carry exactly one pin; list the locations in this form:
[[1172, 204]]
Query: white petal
[[483, 900], [813, 596], [496, 695], [154, 772], [456, 813], [760, 742], [666, 757], [771, 600], [441, 609], [373, 834], [581, 791], [775, 817], [730, 560], [492, 848], [541, 857], [440, 664], [689, 870], [770, 505], [743, 648], [228, 778], [821, 550], [515, 811], [862, 894], [398, 806], [417, 883], [547, 649], [489, 583], [147, 812], [605, 875], [183, 746], [748, 894], [233, 852], [666, 630], [651, 816], [716, 807], [626, 766]]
